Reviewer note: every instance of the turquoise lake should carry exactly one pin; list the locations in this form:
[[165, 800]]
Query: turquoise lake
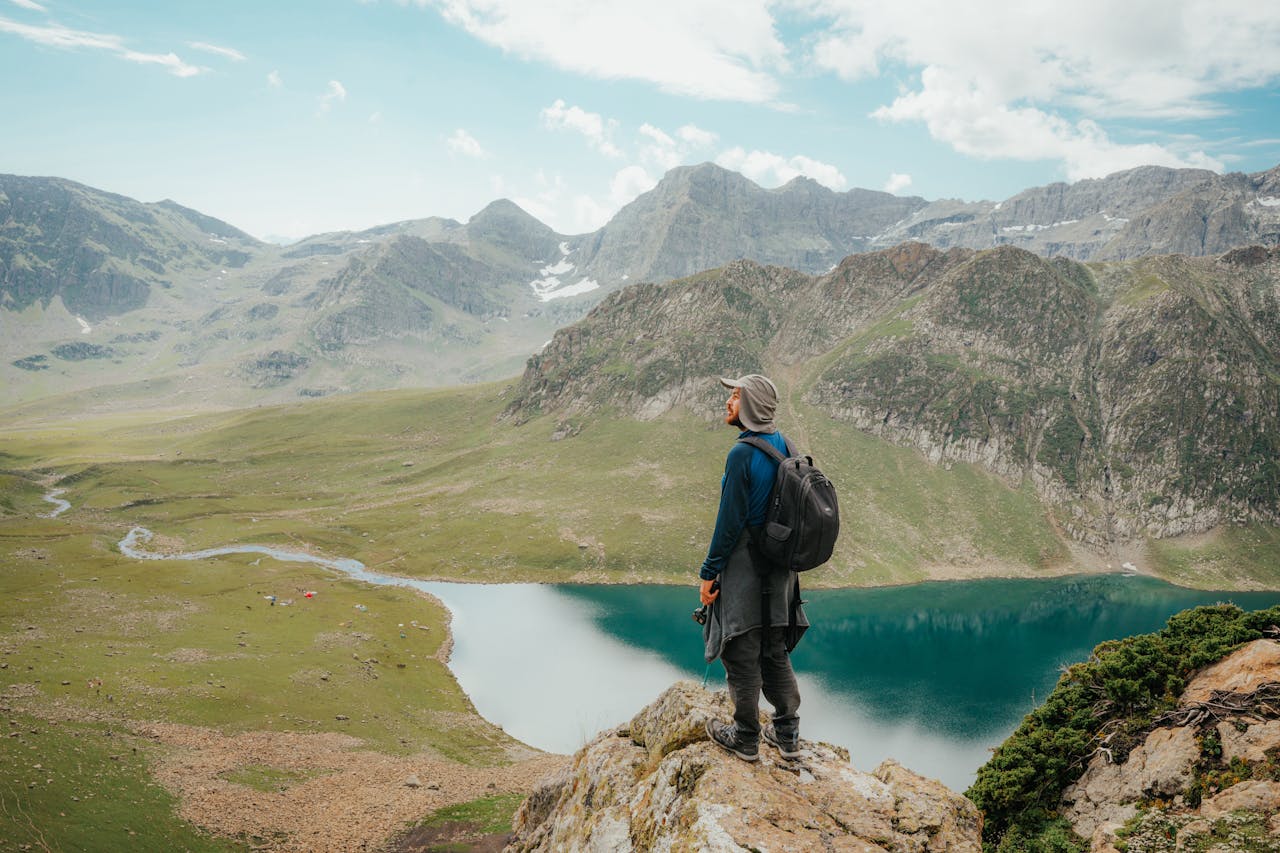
[[933, 675]]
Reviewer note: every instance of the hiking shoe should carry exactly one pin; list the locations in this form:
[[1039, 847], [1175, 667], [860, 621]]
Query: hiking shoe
[[787, 747], [726, 735]]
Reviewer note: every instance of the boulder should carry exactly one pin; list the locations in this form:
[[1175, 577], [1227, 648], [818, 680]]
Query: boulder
[[1107, 794], [1252, 665], [1251, 795], [1251, 744], [660, 784]]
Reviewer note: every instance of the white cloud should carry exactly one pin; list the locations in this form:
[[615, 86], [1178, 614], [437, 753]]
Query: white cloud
[[171, 61], [274, 81], [769, 169], [597, 130], [696, 136], [335, 94], [627, 184], [897, 183], [546, 201], [979, 125], [28, 4], [1036, 85], [573, 212], [56, 35], [712, 49], [657, 136], [1145, 57], [465, 144], [659, 150], [225, 52]]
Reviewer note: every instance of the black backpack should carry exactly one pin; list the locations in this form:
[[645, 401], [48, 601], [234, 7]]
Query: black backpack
[[803, 519]]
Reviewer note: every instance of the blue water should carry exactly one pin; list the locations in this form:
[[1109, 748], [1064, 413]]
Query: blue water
[[933, 675]]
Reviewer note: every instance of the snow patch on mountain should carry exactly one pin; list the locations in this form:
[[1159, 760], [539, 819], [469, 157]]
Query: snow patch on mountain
[[552, 286], [1030, 229]]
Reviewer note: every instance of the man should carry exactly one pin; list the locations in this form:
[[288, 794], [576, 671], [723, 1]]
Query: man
[[755, 615]]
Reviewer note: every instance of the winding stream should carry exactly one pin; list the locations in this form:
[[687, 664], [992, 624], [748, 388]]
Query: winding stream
[[59, 505]]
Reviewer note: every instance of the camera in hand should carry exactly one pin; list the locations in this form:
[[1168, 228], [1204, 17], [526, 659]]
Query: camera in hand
[[700, 615]]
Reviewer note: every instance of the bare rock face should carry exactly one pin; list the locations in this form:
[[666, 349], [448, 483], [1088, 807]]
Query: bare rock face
[[1212, 776], [1107, 793], [1247, 669], [660, 784]]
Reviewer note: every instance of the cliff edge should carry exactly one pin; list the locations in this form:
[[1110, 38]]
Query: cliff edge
[[660, 784]]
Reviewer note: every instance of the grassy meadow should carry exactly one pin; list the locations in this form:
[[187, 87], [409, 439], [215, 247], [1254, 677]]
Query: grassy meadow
[[425, 484]]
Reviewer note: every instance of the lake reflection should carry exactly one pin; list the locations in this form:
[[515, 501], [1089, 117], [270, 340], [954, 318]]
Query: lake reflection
[[933, 675]]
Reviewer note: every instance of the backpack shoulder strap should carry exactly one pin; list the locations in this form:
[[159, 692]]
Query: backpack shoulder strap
[[760, 444]]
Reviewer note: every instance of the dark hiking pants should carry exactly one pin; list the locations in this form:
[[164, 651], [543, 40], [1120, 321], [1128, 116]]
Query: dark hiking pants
[[751, 669]]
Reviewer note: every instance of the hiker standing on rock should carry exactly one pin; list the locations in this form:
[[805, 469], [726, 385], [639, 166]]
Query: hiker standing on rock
[[755, 616]]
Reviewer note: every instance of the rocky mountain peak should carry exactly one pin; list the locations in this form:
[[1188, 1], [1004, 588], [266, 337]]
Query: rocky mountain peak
[[207, 224], [660, 784], [700, 172], [505, 224], [503, 210], [802, 185]]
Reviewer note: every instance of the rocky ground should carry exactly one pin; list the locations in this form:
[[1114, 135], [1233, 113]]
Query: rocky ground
[[349, 798], [1205, 778], [660, 784]]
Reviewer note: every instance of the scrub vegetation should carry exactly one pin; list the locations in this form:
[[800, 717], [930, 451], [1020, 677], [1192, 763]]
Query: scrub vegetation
[[1119, 691]]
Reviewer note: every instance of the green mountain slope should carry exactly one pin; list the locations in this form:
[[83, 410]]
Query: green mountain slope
[[1136, 399]]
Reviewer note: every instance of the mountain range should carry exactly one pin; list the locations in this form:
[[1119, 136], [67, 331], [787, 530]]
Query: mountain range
[[156, 303]]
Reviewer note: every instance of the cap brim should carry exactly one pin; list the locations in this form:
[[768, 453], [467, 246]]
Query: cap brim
[[730, 383]]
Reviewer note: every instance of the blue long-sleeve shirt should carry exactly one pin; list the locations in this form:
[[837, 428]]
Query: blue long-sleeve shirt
[[744, 497]]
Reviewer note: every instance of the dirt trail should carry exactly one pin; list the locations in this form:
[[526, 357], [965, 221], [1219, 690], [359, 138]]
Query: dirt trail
[[788, 378]]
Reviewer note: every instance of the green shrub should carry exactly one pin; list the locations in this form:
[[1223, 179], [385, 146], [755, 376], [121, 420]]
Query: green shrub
[[1115, 694]]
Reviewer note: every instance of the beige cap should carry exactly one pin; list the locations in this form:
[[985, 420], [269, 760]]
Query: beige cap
[[758, 399]]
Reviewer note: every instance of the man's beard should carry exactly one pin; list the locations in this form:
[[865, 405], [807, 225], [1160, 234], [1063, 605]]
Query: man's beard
[[736, 422]]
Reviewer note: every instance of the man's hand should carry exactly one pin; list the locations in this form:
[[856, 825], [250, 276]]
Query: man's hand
[[710, 591]]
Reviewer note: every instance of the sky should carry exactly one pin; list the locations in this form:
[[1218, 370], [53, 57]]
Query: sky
[[293, 118]]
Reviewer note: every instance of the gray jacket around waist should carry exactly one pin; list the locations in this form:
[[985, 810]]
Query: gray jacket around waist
[[738, 609]]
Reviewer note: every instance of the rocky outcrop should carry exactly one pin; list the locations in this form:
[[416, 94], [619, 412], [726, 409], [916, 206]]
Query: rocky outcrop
[[1205, 218], [659, 784], [1071, 220], [275, 368], [98, 252], [1210, 770]]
